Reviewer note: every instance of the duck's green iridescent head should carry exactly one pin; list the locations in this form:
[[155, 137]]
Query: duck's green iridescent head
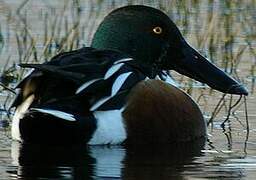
[[150, 37], [140, 31]]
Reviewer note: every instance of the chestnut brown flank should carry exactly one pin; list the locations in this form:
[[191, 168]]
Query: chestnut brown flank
[[157, 112]]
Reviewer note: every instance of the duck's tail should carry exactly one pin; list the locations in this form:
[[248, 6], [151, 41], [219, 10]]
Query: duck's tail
[[52, 124]]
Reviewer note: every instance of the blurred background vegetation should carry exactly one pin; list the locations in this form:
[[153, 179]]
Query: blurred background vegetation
[[222, 30]]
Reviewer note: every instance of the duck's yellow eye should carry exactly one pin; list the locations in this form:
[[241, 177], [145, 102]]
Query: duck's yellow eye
[[157, 30]]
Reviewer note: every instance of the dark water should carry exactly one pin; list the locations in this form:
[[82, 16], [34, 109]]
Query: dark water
[[224, 31], [114, 162], [176, 161]]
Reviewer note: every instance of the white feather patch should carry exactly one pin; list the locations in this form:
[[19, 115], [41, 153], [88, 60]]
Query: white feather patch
[[171, 81], [15, 152], [87, 84], [115, 88], [112, 70], [56, 113], [119, 82], [24, 77], [28, 73], [19, 114], [110, 128], [157, 77], [99, 103], [123, 60]]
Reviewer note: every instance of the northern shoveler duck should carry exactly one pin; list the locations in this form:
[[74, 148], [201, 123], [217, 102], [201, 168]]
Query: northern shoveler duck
[[115, 91]]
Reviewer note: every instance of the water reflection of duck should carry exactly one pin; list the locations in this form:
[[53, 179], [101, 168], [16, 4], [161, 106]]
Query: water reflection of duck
[[160, 162], [106, 162], [36, 162], [103, 95]]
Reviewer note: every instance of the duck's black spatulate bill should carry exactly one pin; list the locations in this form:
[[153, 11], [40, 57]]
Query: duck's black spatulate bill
[[199, 68]]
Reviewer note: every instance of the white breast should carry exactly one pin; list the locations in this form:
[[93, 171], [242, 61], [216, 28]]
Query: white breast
[[110, 128]]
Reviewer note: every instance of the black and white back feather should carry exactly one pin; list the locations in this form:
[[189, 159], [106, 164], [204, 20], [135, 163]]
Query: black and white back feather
[[94, 79]]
